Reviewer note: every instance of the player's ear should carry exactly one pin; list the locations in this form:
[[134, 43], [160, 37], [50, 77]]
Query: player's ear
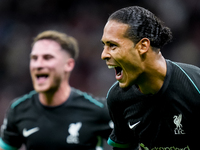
[[143, 46], [69, 66]]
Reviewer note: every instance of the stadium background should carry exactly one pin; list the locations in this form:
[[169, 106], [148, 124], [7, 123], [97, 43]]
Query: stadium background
[[21, 20]]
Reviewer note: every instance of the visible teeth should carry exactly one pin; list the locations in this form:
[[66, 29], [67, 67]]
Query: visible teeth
[[110, 67]]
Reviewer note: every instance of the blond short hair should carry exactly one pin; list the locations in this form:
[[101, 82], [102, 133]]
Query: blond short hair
[[67, 43]]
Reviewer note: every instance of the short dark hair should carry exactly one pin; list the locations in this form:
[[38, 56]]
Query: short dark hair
[[67, 43], [143, 24]]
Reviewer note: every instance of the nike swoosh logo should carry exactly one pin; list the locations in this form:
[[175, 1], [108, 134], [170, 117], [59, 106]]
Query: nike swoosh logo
[[132, 126], [27, 133]]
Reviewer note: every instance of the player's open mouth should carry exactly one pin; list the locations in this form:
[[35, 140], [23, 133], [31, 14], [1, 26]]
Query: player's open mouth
[[118, 72], [42, 77]]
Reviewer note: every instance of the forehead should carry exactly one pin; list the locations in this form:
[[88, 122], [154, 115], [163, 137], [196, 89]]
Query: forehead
[[114, 30], [46, 46]]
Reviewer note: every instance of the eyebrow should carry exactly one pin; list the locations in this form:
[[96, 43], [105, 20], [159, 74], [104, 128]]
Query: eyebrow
[[110, 42]]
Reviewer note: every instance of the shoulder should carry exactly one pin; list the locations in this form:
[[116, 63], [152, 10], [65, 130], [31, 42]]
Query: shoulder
[[19, 107], [22, 100], [113, 89], [84, 97], [191, 73], [96, 107], [186, 67], [121, 96]]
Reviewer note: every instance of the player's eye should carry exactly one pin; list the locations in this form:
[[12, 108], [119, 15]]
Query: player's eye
[[48, 57], [112, 46], [33, 57]]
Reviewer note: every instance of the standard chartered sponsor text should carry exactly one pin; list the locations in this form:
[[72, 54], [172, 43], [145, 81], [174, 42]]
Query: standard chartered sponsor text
[[164, 148]]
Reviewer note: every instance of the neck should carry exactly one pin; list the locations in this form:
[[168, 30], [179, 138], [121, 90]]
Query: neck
[[153, 78], [55, 97]]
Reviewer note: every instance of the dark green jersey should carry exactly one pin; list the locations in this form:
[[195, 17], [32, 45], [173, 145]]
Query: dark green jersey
[[79, 123], [167, 120]]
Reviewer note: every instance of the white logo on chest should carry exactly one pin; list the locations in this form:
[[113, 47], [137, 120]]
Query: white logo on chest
[[134, 125], [74, 132], [177, 122], [27, 133]]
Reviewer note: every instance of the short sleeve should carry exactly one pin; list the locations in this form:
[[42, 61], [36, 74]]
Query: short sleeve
[[10, 137]]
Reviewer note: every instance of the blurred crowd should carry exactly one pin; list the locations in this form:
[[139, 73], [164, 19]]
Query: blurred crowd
[[22, 20]]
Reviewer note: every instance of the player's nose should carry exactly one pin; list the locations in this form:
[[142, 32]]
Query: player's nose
[[105, 54]]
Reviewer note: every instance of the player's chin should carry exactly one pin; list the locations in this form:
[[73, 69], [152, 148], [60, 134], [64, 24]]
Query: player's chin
[[40, 89], [123, 84]]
